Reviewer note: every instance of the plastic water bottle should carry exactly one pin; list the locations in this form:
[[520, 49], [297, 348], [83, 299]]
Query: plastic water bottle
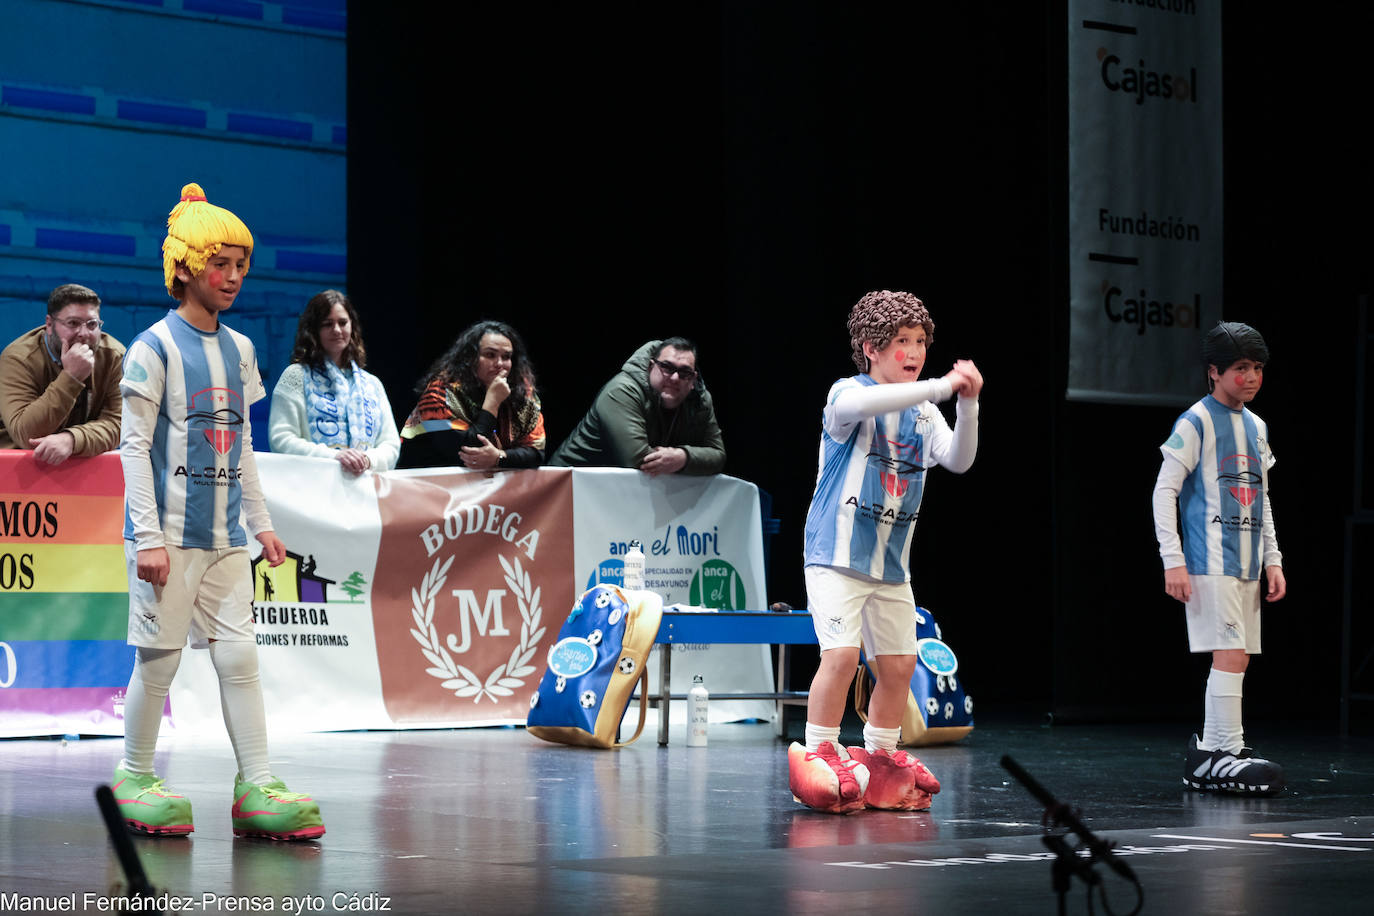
[[697, 702], [634, 566]]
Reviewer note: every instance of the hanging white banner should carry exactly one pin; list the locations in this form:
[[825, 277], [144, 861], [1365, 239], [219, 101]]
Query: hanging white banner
[[1145, 197]]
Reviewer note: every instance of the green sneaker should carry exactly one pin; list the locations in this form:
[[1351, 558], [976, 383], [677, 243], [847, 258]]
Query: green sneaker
[[149, 807], [273, 811]]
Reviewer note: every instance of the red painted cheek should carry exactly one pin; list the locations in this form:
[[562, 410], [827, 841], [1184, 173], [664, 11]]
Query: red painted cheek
[[1240, 381], [899, 356], [216, 278]]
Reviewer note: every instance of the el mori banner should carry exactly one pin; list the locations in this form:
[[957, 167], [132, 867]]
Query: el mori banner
[[703, 547], [411, 599]]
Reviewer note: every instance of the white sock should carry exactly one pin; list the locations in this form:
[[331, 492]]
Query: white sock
[[1222, 729], [880, 739], [240, 699], [816, 734], [143, 705], [1209, 718]]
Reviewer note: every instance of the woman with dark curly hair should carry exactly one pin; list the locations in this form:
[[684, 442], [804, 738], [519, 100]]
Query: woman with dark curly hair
[[324, 404], [478, 406]]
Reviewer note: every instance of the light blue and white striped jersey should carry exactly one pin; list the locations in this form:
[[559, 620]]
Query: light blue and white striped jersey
[[1227, 456], [869, 484], [203, 383]]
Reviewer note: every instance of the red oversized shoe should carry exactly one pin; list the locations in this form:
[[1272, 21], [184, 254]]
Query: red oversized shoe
[[826, 779], [896, 781]]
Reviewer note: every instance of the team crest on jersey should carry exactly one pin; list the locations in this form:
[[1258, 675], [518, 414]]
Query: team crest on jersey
[[218, 413], [896, 463], [1234, 472]]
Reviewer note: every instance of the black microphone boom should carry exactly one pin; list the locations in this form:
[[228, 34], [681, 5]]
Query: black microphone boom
[[1060, 813]]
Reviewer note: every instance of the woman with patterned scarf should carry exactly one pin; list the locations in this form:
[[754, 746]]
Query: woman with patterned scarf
[[324, 403], [478, 406]]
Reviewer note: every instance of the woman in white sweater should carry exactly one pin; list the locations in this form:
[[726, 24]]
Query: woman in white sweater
[[324, 403]]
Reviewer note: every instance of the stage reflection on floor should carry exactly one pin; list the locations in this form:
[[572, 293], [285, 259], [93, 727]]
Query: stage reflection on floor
[[493, 820]]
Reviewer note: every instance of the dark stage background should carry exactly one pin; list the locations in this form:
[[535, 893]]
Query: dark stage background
[[599, 175]]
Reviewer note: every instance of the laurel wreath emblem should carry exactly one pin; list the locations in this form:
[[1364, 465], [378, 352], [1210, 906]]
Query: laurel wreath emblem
[[506, 677]]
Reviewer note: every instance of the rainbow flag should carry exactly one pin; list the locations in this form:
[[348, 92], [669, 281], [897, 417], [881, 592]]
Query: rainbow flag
[[64, 596]]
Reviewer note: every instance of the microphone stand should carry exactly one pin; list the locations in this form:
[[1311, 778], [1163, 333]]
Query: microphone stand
[[1067, 861], [134, 875]]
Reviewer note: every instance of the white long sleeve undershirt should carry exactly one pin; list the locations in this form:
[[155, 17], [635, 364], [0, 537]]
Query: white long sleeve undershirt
[[963, 445], [861, 402], [252, 503], [136, 425]]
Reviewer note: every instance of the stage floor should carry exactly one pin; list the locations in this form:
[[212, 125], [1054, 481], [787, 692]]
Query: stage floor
[[495, 821]]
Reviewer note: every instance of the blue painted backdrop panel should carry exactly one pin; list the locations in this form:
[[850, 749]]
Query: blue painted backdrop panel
[[98, 140]]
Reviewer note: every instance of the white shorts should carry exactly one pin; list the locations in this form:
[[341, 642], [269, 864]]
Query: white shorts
[[1224, 613], [846, 606], [208, 595]]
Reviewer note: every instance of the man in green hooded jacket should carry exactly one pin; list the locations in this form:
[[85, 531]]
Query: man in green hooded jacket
[[654, 415]]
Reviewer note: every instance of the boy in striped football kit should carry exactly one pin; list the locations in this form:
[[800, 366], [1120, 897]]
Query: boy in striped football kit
[[880, 433], [189, 481], [1214, 480]]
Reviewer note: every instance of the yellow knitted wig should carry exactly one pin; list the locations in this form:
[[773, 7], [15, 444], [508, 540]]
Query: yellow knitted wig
[[196, 230]]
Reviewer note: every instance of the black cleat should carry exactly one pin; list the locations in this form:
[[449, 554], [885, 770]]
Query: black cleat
[[1221, 771]]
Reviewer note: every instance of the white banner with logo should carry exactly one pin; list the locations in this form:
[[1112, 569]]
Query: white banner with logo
[[317, 653], [423, 599], [1145, 197], [703, 546]]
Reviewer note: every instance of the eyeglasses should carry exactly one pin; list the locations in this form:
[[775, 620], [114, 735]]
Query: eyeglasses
[[75, 324], [686, 373]]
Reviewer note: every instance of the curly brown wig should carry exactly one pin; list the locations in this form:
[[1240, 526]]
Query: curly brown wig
[[877, 317]]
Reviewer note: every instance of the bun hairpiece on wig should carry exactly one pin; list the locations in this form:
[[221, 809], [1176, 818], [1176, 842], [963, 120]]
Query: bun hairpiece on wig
[[196, 230]]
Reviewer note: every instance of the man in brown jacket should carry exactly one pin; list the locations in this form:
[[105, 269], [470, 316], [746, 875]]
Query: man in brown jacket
[[59, 384]]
